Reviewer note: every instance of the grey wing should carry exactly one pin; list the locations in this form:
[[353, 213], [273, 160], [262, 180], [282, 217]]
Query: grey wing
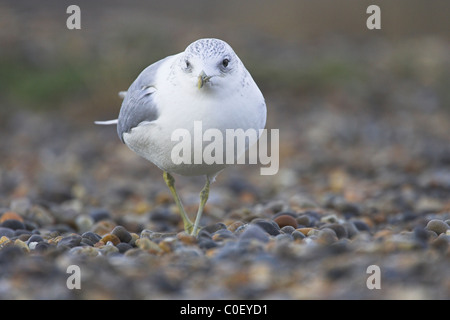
[[138, 105]]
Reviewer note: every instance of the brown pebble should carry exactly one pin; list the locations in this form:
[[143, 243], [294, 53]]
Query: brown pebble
[[165, 246], [111, 237], [382, 234], [305, 230], [103, 227], [10, 215], [286, 220], [232, 227], [186, 238]]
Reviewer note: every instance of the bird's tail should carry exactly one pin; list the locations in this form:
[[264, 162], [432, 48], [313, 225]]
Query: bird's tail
[[106, 123]]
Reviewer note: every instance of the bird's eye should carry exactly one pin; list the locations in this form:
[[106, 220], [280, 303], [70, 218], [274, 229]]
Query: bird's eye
[[187, 64], [225, 62]]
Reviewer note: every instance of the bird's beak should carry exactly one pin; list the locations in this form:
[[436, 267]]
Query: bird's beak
[[202, 79]]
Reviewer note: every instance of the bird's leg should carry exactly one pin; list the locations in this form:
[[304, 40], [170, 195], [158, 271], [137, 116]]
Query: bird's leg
[[170, 181], [204, 194]]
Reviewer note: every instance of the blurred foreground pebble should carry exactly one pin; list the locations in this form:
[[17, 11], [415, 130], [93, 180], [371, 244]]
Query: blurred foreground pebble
[[275, 256]]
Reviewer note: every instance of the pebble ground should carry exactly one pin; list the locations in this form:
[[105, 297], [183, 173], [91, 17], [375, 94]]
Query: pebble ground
[[364, 175]]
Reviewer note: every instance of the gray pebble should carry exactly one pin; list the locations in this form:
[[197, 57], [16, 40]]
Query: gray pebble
[[86, 242], [203, 234], [122, 234], [288, 229], [20, 232], [124, 247], [421, 234], [13, 224], [91, 236], [34, 238], [340, 230], [304, 220], [205, 243], [283, 237], [99, 214], [297, 235], [326, 236], [42, 246], [361, 225], [271, 227], [223, 234], [255, 232], [441, 243], [214, 227], [7, 232], [437, 226], [70, 241], [350, 228]]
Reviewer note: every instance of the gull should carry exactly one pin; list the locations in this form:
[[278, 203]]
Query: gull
[[206, 82]]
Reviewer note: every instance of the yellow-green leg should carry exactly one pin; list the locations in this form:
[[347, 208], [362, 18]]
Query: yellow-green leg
[[170, 181], [204, 194]]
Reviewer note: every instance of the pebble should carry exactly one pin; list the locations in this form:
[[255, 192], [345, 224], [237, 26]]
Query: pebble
[[40, 215], [206, 244], [286, 220], [124, 247], [121, 233], [103, 227], [269, 226], [110, 238], [34, 238], [254, 232], [21, 244], [305, 231], [41, 246], [148, 245], [99, 215], [186, 238], [7, 232], [235, 225], [13, 224], [287, 229], [84, 251], [339, 229], [351, 229], [326, 236], [10, 215], [214, 227], [70, 241], [5, 241], [106, 250], [283, 237], [297, 235], [437, 226], [223, 234], [304, 220], [441, 243], [84, 223], [361, 225], [91, 236]]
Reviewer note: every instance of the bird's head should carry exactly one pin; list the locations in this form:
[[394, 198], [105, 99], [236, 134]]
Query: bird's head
[[208, 62]]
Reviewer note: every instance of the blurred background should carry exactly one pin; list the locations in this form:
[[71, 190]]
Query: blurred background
[[360, 112]]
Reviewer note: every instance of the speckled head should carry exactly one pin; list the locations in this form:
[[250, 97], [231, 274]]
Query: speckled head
[[209, 48]]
